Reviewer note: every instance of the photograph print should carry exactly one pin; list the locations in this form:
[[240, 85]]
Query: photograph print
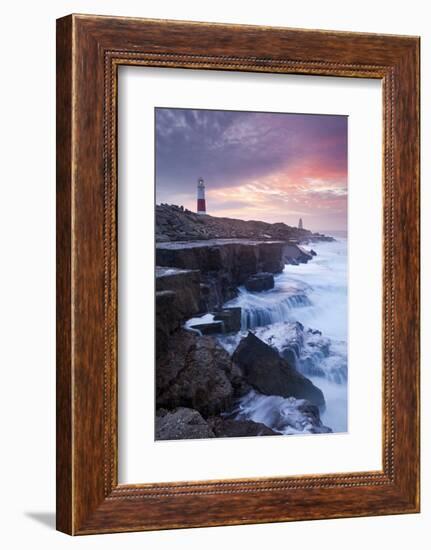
[[251, 274]]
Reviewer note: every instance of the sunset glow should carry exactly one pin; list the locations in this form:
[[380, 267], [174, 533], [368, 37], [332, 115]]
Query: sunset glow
[[273, 167]]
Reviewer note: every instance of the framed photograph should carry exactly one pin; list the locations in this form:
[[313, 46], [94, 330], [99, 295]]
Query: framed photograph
[[237, 274]]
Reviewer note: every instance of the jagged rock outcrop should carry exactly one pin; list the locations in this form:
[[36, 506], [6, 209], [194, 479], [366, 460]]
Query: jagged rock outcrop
[[229, 427], [223, 264], [196, 372], [295, 254], [185, 423], [270, 374], [181, 423]]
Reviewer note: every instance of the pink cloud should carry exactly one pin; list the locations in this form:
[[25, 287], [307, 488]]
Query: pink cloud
[[312, 189]]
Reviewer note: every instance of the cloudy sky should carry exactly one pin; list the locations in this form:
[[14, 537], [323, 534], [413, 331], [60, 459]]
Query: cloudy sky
[[273, 167]]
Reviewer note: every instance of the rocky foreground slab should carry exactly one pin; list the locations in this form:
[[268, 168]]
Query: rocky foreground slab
[[198, 384]]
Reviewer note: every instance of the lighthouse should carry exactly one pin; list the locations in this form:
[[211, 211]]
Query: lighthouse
[[201, 206], [300, 224]]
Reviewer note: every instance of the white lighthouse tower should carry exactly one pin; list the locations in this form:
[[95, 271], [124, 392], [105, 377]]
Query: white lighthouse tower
[[201, 206]]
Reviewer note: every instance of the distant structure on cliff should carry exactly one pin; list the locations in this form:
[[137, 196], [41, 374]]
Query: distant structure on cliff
[[201, 206], [300, 225]]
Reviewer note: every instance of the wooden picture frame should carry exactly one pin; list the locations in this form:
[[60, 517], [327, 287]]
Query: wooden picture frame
[[89, 51]]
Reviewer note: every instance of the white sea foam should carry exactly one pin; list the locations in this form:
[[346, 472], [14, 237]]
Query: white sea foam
[[282, 415], [202, 320], [304, 317], [315, 295]]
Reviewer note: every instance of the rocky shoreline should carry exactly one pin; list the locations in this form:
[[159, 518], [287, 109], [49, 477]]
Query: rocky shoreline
[[199, 384], [175, 223]]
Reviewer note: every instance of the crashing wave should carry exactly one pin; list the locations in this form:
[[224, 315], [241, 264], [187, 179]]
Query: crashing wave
[[285, 415], [269, 307], [307, 350]]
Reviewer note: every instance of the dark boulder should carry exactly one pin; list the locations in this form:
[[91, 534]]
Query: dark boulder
[[181, 423], [229, 427], [259, 282], [231, 318], [306, 350], [195, 372], [270, 374]]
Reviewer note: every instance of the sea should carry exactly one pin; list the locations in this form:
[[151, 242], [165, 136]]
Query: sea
[[305, 317]]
